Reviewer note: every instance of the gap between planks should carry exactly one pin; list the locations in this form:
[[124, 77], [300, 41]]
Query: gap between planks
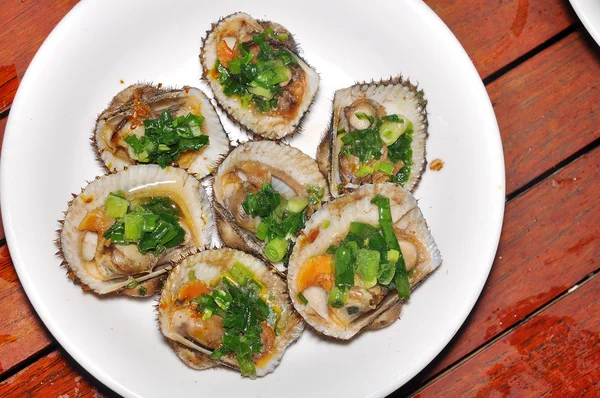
[[53, 346], [509, 330]]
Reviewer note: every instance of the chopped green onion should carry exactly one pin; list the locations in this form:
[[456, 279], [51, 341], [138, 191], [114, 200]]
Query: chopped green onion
[[240, 273], [262, 231], [315, 193], [142, 291], [387, 270], [132, 284], [115, 206], [302, 298], [338, 296], [393, 119], [387, 229], [393, 255], [344, 265], [364, 171], [368, 266], [282, 36], [390, 132], [326, 224], [361, 229], [385, 167], [192, 275], [134, 224], [297, 204], [364, 116], [261, 92], [276, 249]]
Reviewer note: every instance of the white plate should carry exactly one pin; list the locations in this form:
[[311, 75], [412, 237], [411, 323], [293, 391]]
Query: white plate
[[47, 156], [588, 12]]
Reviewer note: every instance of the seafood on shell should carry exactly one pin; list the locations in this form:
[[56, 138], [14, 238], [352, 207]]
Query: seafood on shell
[[131, 108], [256, 75], [377, 134], [100, 263], [291, 173], [311, 271], [196, 330]]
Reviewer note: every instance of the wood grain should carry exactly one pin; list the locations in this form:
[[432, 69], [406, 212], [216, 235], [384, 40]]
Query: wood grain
[[550, 241], [23, 27], [53, 376], [2, 129], [494, 33], [548, 107], [21, 331], [556, 353]]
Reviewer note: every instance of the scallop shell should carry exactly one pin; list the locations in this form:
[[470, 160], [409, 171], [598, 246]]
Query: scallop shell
[[292, 173], [241, 26], [179, 321], [115, 123], [136, 181], [392, 96], [330, 224]]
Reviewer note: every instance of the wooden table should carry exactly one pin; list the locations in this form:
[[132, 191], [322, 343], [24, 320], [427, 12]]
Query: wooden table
[[536, 327]]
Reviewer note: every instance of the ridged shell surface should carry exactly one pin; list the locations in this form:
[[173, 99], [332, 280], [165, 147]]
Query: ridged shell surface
[[386, 97], [136, 182], [180, 323], [330, 224], [247, 167], [240, 27], [129, 108]]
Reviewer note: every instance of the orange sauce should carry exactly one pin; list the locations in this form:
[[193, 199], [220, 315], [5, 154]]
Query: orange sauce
[[192, 289], [316, 271]]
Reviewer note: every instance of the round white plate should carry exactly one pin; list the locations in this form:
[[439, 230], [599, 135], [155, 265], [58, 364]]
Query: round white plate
[[47, 155], [588, 12]]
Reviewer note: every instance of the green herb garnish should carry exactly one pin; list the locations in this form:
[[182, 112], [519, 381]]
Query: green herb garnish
[[302, 298], [151, 223], [280, 220], [401, 151], [387, 230], [256, 79], [243, 312], [263, 202], [393, 131], [166, 138]]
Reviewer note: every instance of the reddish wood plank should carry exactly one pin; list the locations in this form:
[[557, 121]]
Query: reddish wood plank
[[550, 241], [556, 353], [23, 27], [53, 376], [2, 128], [548, 108], [494, 33], [21, 331]]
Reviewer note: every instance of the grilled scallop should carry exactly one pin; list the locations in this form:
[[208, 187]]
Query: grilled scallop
[[124, 231], [225, 307], [377, 134], [256, 75], [264, 191], [148, 124], [351, 265]]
